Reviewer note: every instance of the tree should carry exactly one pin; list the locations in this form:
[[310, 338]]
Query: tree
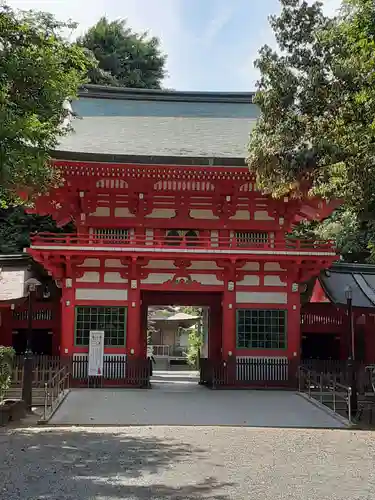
[[125, 58], [39, 71], [6, 364], [316, 132], [194, 347], [16, 227]]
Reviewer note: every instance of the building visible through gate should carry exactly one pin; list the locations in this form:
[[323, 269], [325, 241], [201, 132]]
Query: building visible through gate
[[164, 206], [211, 327]]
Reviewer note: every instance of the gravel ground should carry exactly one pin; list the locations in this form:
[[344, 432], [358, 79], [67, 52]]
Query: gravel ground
[[83, 463]]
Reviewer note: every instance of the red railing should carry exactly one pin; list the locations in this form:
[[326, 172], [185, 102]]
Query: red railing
[[322, 318], [173, 242]]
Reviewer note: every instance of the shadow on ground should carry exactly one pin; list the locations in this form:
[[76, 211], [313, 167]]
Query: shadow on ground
[[80, 464]]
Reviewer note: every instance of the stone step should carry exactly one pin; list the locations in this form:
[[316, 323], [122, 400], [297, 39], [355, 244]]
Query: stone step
[[170, 376]]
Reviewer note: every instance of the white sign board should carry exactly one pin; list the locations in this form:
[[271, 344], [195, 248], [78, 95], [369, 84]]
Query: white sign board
[[96, 353]]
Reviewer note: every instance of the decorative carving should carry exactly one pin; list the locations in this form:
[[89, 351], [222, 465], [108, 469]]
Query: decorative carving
[[182, 263], [79, 273], [226, 205], [133, 284]]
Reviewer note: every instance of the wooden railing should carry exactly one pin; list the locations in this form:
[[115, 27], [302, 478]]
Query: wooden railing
[[160, 350], [327, 389], [173, 243], [339, 369], [251, 372], [44, 368], [40, 314], [325, 319], [118, 371]]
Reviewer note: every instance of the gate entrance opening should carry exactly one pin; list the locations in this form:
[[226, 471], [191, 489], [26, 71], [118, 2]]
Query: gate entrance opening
[[167, 339]]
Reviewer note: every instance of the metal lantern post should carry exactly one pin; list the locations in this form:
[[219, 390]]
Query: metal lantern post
[[351, 357], [27, 382]]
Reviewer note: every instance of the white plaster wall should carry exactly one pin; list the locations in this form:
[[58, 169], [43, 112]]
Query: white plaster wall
[[114, 277], [262, 215], [162, 213], [272, 266], [90, 263], [184, 339], [203, 214], [273, 281], [103, 294], [241, 215], [206, 279], [249, 280], [157, 278], [203, 264], [214, 238], [251, 266], [149, 236], [101, 212], [261, 298], [89, 277], [123, 212], [161, 264], [113, 263]]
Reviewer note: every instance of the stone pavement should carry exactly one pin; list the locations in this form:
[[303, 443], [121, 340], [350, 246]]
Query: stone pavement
[[184, 402], [186, 463]]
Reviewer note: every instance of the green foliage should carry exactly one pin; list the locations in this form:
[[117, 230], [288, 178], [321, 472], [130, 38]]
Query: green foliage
[[16, 226], [192, 310], [195, 346], [352, 237], [6, 365], [195, 336], [125, 58], [316, 131], [39, 71]]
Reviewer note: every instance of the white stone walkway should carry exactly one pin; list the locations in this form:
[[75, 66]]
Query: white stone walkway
[[186, 403]]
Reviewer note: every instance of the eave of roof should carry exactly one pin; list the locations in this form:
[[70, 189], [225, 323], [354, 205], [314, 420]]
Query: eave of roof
[[359, 277], [107, 92], [13, 258], [187, 161]]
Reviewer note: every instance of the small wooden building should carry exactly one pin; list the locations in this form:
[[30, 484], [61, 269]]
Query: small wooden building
[[325, 325]]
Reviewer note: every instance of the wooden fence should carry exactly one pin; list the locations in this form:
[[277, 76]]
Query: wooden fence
[[44, 368], [118, 371], [342, 372], [249, 372]]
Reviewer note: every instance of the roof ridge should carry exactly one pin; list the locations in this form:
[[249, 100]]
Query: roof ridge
[[108, 92]]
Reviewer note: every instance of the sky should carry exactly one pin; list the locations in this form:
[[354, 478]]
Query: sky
[[210, 44]]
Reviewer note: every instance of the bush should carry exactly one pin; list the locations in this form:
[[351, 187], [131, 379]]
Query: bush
[[195, 346], [6, 366]]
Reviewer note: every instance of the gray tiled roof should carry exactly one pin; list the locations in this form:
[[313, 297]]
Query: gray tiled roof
[[160, 136], [360, 278], [133, 122]]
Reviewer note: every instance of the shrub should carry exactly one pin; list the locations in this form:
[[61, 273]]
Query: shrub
[[6, 365]]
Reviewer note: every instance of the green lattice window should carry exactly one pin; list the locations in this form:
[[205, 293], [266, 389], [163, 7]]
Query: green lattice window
[[261, 329], [110, 319]]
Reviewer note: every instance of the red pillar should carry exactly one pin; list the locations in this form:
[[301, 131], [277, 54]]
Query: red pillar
[[294, 323], [67, 322], [6, 318], [134, 345], [229, 321]]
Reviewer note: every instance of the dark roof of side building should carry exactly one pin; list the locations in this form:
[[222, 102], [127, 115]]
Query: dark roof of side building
[[359, 277], [122, 123]]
